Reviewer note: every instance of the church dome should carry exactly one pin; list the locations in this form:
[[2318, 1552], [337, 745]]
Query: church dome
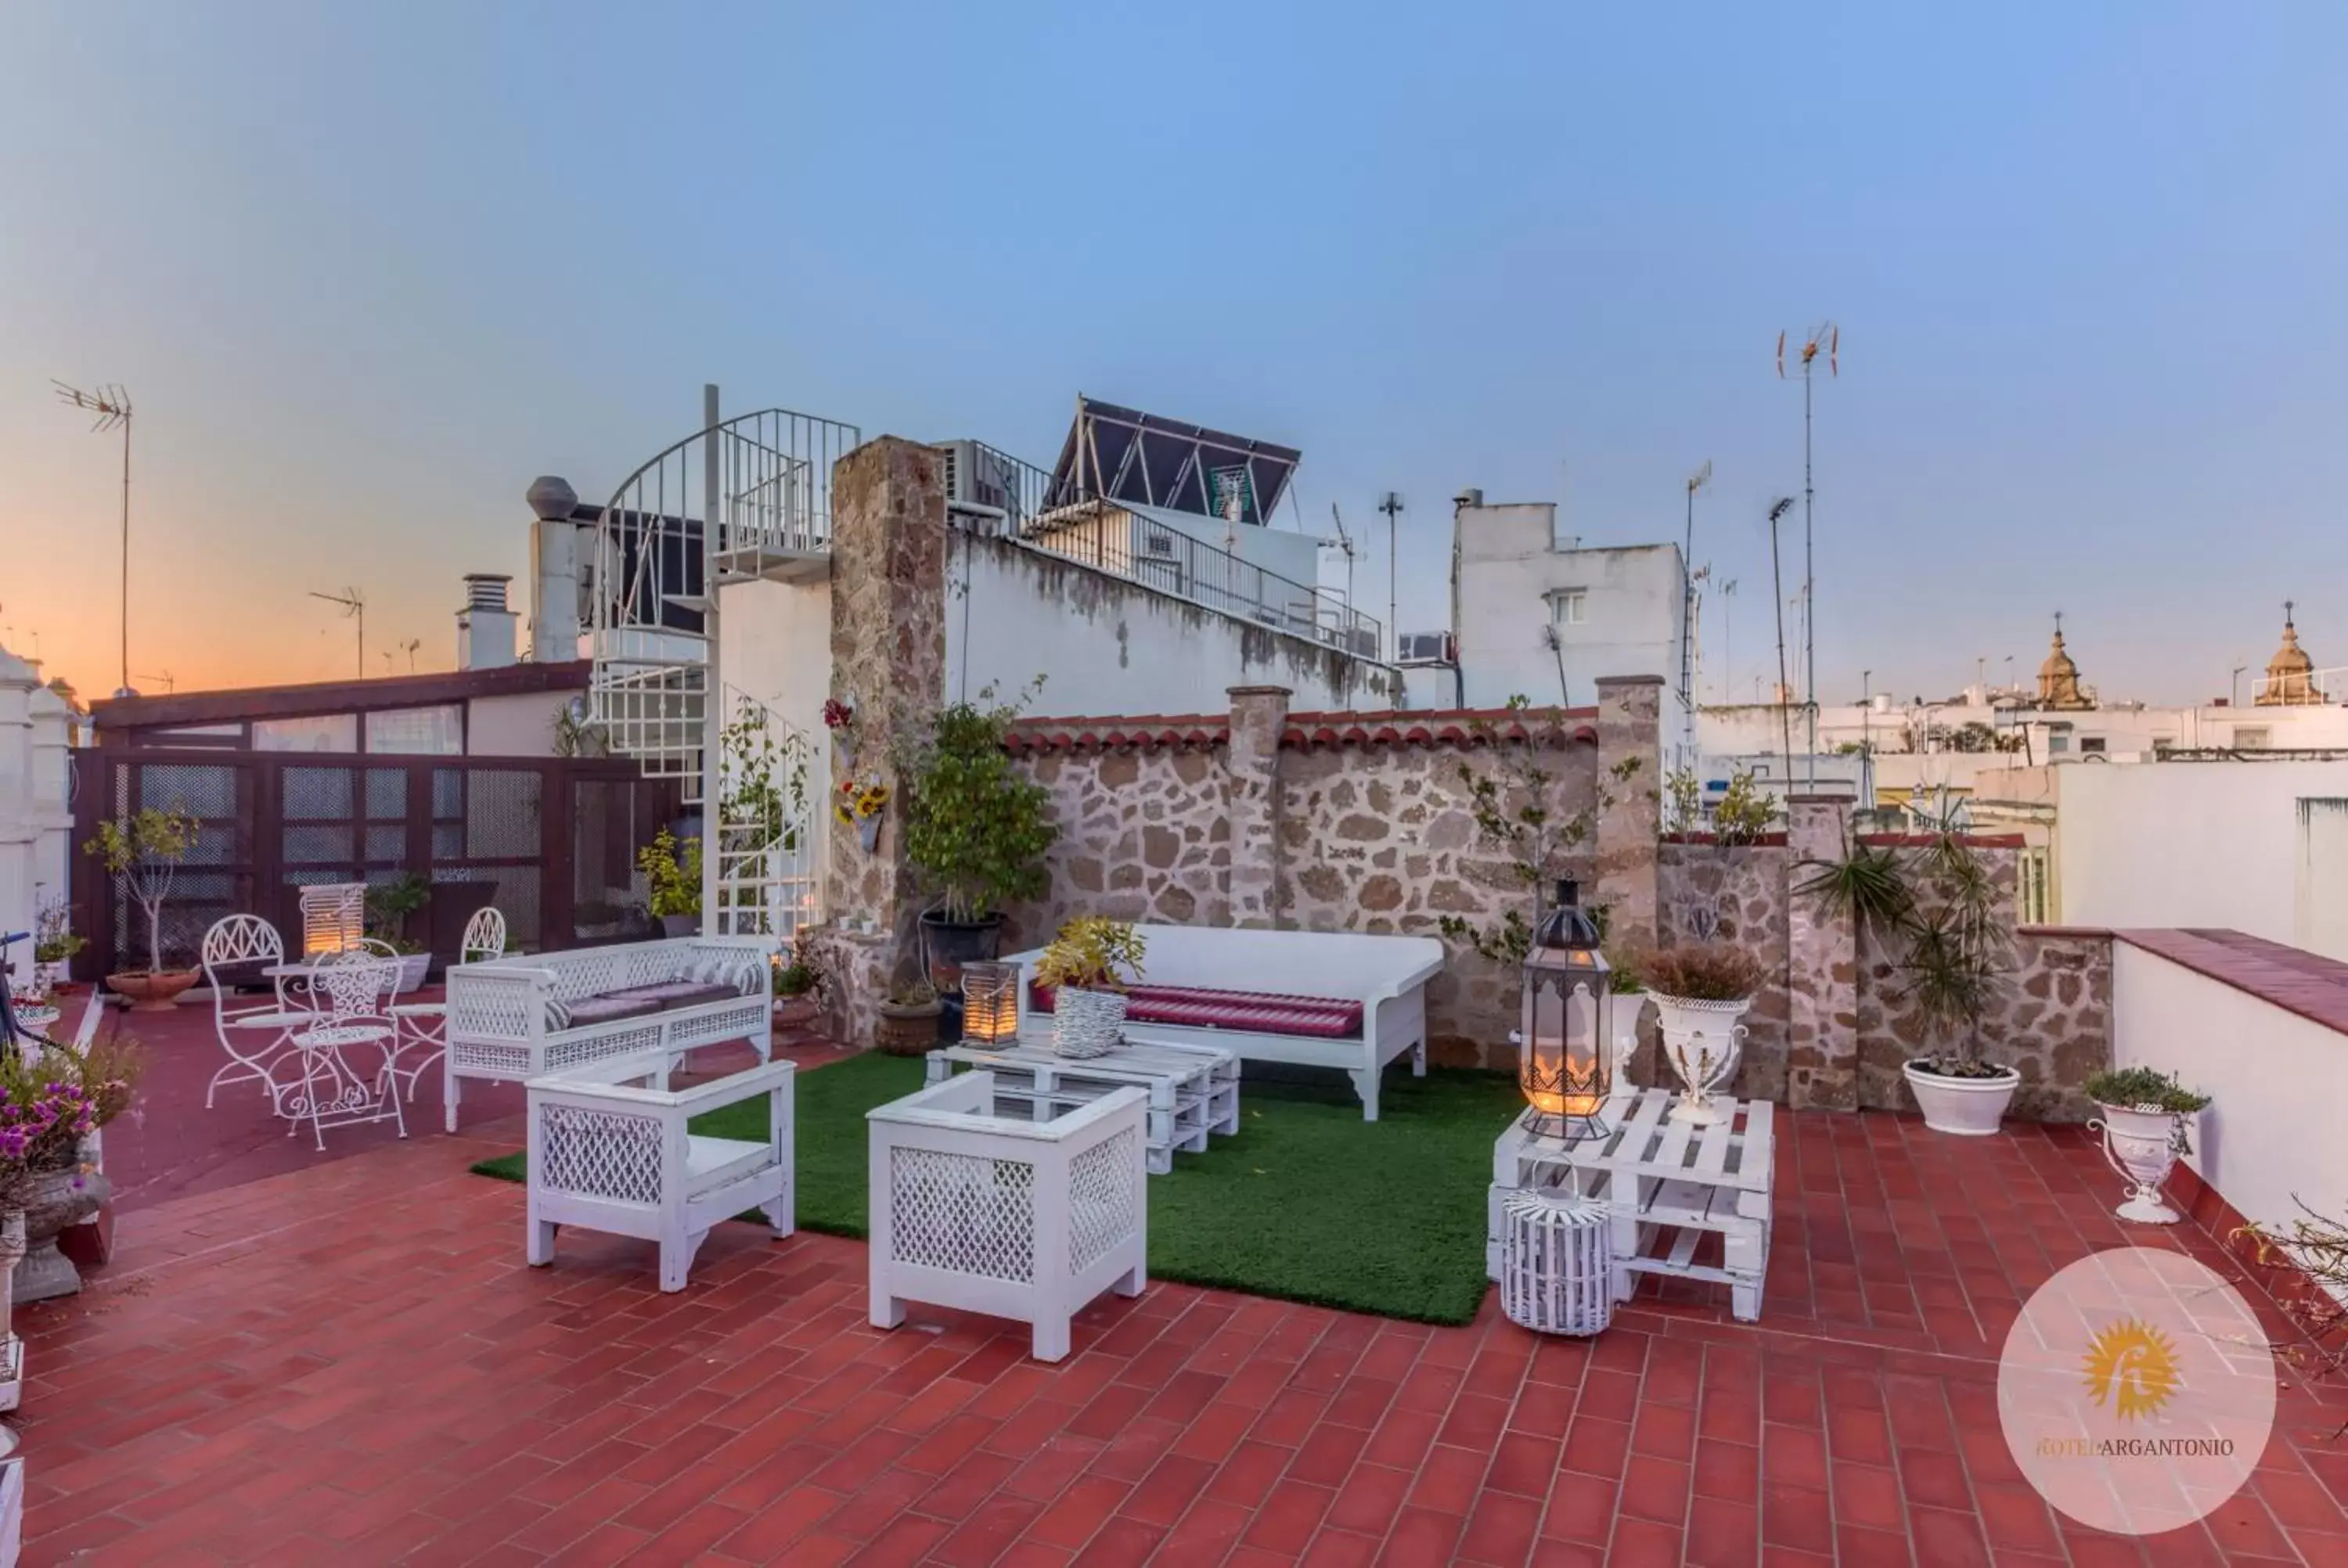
[[2058, 678], [2291, 674]]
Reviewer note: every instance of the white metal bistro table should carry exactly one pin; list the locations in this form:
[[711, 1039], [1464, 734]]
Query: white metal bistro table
[[1683, 1201], [1193, 1090]]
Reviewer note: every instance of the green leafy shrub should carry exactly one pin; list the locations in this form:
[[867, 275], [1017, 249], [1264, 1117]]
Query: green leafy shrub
[[976, 828]]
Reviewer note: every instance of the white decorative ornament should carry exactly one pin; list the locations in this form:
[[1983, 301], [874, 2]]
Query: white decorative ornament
[[1702, 1040], [1557, 1264]]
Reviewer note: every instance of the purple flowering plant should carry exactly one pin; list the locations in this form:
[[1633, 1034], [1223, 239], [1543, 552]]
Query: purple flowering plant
[[53, 1100]]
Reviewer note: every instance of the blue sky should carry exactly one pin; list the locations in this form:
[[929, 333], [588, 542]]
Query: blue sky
[[368, 270]]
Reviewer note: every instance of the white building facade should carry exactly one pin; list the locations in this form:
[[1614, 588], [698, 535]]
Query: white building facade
[[1543, 617]]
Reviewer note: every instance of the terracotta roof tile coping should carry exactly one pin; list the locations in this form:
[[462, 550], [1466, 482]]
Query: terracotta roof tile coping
[[2308, 984], [1451, 726]]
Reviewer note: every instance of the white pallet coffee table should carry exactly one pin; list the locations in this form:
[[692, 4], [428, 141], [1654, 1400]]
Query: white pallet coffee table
[[1193, 1090], [1668, 1187]]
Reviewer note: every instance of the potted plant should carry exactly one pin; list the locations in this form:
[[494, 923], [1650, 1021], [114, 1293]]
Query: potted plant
[[145, 851], [52, 1106], [1087, 967], [908, 1024], [1954, 968], [1700, 990], [674, 877], [389, 906], [2143, 1125], [976, 830], [802, 982], [54, 946]]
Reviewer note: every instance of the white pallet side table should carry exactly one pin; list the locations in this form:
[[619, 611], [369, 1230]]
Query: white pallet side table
[[1021, 1219], [1666, 1186], [611, 1149], [1193, 1090]]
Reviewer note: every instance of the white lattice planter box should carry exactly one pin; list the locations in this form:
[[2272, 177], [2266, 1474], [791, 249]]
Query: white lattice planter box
[[511, 1019], [1003, 1216], [610, 1150]]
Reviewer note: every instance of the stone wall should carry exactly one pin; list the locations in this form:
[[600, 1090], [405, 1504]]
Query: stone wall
[[2052, 1024], [1336, 822]]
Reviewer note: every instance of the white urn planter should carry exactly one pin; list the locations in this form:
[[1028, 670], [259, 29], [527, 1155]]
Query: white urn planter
[[1087, 1023], [2142, 1145], [1702, 1040], [1969, 1107]]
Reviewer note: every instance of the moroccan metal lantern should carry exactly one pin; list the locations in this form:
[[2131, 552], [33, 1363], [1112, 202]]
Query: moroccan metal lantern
[[1561, 1045], [990, 1003]]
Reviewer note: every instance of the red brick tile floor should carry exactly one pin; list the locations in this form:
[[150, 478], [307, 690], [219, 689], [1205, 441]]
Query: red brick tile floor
[[297, 1359]]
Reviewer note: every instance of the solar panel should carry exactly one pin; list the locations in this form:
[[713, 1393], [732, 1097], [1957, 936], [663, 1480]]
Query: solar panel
[[1119, 454]]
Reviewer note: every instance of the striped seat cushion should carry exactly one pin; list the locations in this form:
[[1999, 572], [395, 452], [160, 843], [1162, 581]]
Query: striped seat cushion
[[1257, 1013]]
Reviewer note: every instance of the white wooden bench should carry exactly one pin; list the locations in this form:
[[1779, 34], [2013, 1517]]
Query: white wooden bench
[[1194, 1089], [610, 1149], [510, 1019], [1385, 976], [1685, 1201]]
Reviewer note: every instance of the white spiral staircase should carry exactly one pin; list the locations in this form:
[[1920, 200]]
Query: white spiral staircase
[[740, 500]]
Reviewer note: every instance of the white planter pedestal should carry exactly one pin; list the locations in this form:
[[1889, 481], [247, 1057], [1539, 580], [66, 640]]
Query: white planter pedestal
[[2142, 1146], [999, 1214]]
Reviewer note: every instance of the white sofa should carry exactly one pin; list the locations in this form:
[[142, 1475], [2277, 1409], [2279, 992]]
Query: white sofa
[[1385, 977], [513, 1020], [610, 1150]]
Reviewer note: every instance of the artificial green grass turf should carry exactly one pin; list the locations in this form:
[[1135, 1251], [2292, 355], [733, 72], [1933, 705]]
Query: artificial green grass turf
[[1307, 1203]]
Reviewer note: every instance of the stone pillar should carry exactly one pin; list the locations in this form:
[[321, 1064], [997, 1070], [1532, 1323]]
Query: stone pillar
[[1259, 892], [1822, 961], [888, 663], [1630, 805]]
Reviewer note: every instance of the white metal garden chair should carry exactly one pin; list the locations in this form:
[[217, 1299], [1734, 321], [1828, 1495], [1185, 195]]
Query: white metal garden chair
[[256, 1034], [424, 1026], [352, 985]]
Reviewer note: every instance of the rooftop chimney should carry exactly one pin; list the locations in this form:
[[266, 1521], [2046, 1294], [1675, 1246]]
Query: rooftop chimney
[[485, 627], [554, 570]]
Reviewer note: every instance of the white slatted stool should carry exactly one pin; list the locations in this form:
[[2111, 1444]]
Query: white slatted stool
[[1557, 1264]]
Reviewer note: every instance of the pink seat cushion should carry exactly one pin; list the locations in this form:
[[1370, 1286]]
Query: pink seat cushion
[[1257, 1013], [607, 1009]]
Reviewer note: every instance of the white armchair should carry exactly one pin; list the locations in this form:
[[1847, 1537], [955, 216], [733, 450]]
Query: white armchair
[[1003, 1216], [610, 1149]]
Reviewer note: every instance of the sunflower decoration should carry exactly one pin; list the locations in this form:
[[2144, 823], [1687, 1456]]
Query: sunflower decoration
[[859, 802]]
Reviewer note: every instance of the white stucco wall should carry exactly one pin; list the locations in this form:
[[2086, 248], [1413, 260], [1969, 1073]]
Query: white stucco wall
[[34, 821], [2270, 1139], [1507, 569], [1109, 646], [2219, 844], [521, 725]]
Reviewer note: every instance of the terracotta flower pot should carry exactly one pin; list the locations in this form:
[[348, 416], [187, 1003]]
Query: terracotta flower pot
[[796, 1013], [906, 1032], [152, 992]]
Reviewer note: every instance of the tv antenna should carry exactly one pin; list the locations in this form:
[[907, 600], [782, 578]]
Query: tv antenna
[[409, 648], [1778, 510], [1696, 481], [109, 408], [169, 685], [1391, 504], [354, 605], [1825, 343], [1343, 544], [1728, 642]]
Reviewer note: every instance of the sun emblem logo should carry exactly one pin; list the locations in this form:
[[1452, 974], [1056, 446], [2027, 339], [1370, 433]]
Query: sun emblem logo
[[2131, 1368]]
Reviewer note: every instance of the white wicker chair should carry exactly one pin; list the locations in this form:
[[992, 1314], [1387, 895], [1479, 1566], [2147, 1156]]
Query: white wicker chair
[[331, 1092], [424, 1026], [254, 1034]]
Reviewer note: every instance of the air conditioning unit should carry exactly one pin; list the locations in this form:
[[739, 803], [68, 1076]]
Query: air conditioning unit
[[1428, 648], [977, 475]]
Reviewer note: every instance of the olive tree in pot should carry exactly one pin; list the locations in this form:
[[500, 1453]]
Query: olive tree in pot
[[975, 829], [145, 850]]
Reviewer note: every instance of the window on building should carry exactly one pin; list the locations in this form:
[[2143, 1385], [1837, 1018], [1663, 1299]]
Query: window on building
[[317, 732], [2247, 739], [2056, 746], [2091, 746], [1569, 606], [418, 732]]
